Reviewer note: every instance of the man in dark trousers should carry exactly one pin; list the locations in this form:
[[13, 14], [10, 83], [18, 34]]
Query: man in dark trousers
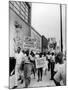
[[32, 60], [40, 70], [49, 60], [52, 65]]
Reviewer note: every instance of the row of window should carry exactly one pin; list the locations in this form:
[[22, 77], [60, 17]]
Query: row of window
[[22, 9]]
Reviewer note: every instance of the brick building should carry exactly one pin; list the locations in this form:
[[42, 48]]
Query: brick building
[[44, 44], [20, 25], [38, 38]]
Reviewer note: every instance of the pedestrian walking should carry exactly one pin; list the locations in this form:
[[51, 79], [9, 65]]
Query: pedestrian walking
[[21, 71], [18, 57], [27, 70], [60, 71], [52, 65], [46, 64], [32, 60], [40, 70], [49, 60]]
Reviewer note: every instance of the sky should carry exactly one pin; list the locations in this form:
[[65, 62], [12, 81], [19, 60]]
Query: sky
[[46, 20]]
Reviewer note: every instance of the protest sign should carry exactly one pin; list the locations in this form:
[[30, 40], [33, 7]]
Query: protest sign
[[40, 62], [29, 43]]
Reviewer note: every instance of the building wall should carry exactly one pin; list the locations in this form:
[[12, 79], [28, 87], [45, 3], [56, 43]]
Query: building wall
[[38, 38], [44, 44], [19, 28], [16, 34]]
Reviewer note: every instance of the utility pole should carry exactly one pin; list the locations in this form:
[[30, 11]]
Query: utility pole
[[61, 36]]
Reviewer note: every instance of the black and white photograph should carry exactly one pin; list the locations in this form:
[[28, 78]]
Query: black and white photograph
[[37, 44]]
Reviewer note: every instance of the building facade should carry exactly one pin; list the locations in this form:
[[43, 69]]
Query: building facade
[[44, 44], [38, 40], [20, 25]]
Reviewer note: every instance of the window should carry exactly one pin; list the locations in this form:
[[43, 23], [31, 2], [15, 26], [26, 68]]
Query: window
[[11, 4], [22, 9]]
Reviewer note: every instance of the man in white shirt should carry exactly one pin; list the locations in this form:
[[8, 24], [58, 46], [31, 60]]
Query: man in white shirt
[[60, 71], [19, 58], [49, 60], [27, 69], [40, 70], [61, 74], [45, 69]]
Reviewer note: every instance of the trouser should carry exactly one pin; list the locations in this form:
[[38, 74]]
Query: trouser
[[27, 74], [34, 68], [17, 74], [12, 63], [49, 64], [52, 69], [40, 71]]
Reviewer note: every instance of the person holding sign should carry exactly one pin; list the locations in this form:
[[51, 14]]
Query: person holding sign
[[49, 61], [46, 63], [32, 60], [40, 70]]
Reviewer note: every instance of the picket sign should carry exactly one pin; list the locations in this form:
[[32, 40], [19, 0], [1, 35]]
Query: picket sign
[[40, 62], [29, 43]]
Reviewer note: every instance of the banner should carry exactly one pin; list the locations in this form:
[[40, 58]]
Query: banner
[[29, 43], [40, 62]]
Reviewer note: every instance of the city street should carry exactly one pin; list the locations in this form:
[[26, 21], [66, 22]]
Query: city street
[[37, 41], [34, 83]]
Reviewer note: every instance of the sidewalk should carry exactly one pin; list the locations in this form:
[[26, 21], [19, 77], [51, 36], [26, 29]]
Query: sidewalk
[[45, 82]]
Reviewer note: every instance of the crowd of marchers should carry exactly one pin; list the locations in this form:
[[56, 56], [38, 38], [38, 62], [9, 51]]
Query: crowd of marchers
[[24, 65]]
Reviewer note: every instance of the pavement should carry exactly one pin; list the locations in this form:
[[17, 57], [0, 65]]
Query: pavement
[[46, 82]]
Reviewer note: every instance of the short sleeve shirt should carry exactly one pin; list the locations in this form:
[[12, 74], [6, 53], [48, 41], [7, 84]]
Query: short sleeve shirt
[[19, 57], [61, 74], [32, 58]]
